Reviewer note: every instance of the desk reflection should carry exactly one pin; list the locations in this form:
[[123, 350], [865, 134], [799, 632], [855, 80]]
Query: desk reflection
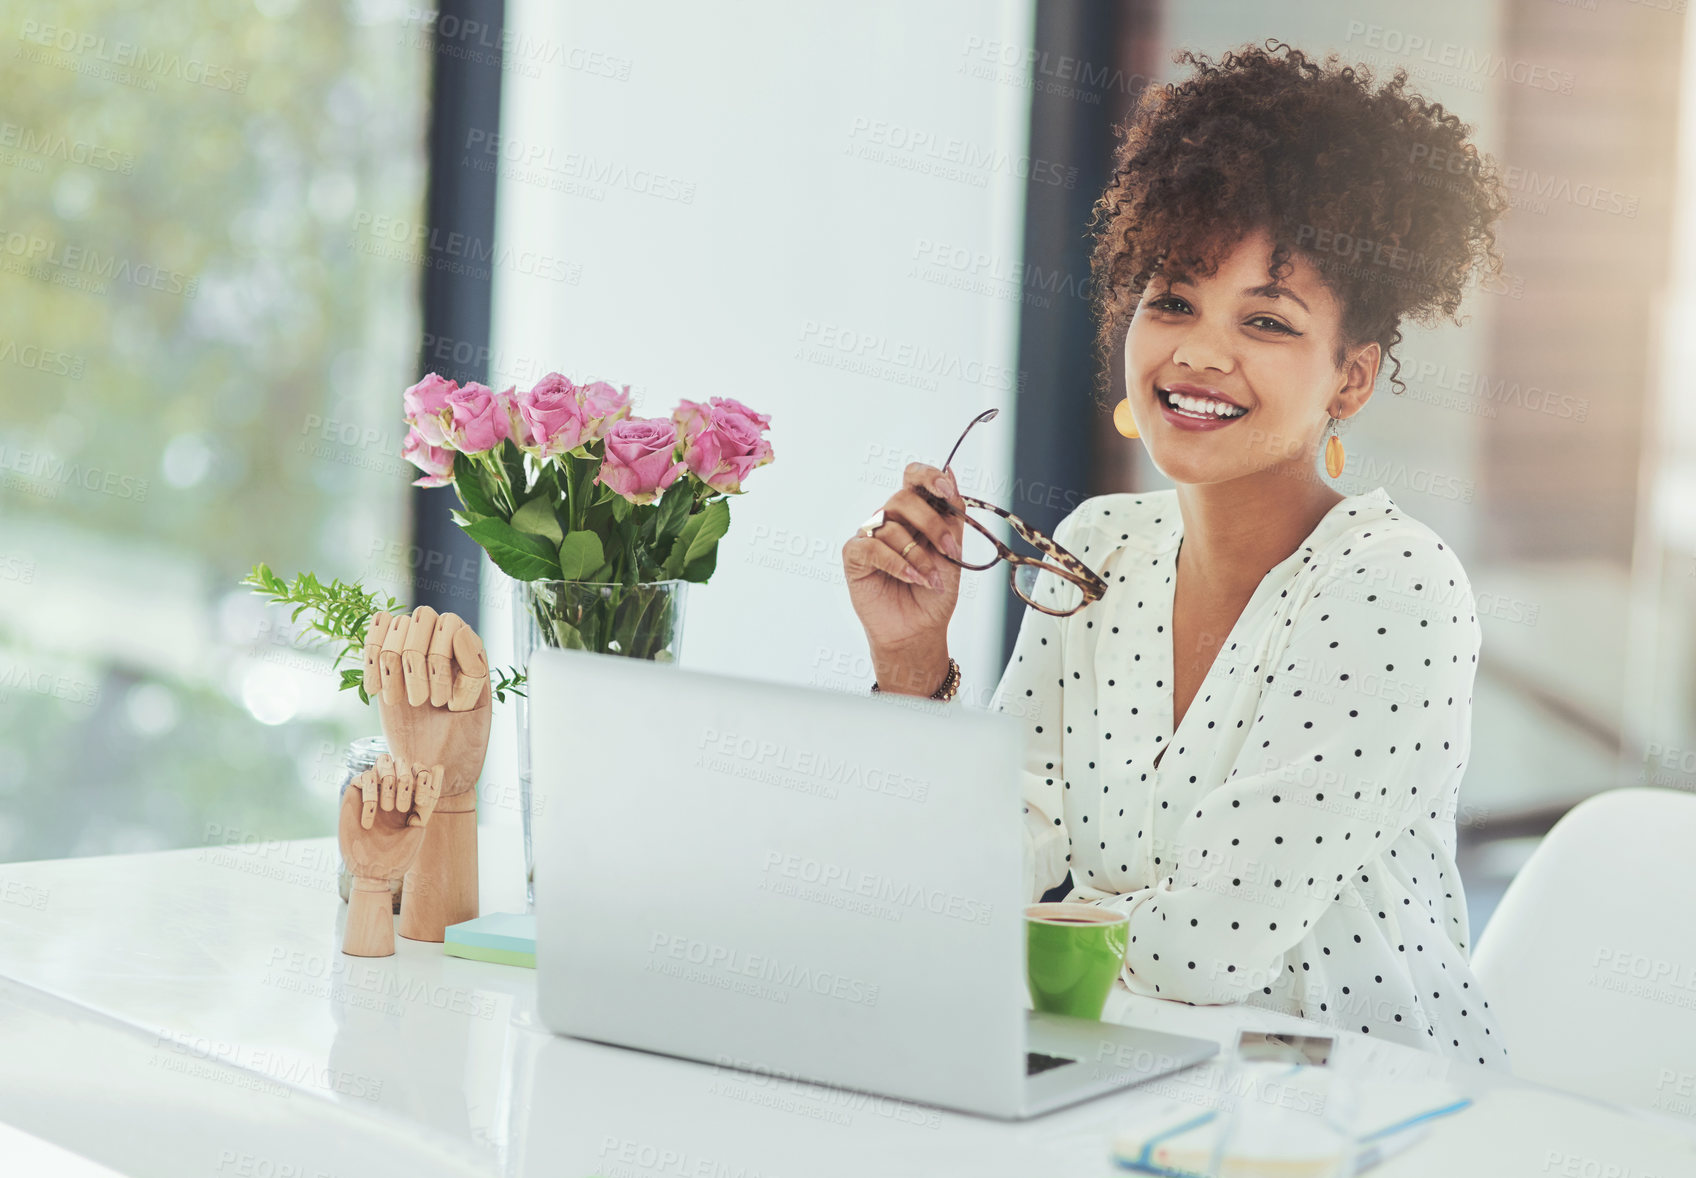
[[429, 1042], [591, 1109]]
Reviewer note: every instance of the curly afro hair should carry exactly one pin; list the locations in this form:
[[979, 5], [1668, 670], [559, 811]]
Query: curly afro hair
[[1378, 188]]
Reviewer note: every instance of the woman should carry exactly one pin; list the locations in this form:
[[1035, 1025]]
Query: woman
[[1252, 743]]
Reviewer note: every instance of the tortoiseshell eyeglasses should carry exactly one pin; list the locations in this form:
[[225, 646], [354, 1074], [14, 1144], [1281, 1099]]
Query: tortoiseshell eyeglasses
[[1073, 584]]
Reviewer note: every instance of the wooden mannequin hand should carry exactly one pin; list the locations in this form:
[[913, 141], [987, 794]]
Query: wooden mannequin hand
[[385, 811], [430, 678]]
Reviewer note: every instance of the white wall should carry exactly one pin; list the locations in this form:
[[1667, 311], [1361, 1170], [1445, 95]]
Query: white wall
[[711, 182]]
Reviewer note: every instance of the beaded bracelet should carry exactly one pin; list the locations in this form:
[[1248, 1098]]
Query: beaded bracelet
[[950, 683]]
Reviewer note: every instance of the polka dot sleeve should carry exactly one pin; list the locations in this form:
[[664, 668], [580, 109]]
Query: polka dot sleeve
[[1030, 690], [1362, 720]]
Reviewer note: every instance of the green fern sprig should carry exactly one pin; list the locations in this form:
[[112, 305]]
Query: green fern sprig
[[339, 614]]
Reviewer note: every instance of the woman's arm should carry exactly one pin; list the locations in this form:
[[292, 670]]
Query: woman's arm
[[1364, 718]]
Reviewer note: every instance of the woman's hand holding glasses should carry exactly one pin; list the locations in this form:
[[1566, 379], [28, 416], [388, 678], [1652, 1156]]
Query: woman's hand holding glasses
[[903, 569], [902, 590]]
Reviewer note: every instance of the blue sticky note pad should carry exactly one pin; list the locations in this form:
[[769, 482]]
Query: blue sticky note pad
[[506, 937]]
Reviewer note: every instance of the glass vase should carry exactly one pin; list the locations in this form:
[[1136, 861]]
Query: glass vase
[[642, 621]]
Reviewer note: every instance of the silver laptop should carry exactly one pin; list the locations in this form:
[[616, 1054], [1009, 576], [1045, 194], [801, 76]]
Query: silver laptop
[[799, 882]]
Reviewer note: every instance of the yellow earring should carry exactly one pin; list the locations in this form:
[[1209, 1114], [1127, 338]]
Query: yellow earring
[[1123, 421], [1334, 452]]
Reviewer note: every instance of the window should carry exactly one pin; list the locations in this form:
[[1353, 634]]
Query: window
[[207, 234]]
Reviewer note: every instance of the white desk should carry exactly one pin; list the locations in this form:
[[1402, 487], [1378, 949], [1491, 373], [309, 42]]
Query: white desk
[[189, 1013]]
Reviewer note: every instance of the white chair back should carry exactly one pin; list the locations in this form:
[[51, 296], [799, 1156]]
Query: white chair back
[[1589, 961]]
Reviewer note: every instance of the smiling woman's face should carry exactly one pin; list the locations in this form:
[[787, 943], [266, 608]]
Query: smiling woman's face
[[1253, 367]]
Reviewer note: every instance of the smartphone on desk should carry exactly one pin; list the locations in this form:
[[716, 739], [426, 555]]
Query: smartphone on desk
[[1267, 1047]]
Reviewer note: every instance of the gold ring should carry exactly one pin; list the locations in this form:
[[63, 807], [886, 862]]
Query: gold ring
[[909, 547]]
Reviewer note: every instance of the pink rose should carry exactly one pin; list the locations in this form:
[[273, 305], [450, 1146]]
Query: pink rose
[[435, 461], [690, 416], [558, 416], [722, 441], [641, 459], [732, 405], [425, 407], [603, 405], [552, 416], [517, 429], [480, 418]]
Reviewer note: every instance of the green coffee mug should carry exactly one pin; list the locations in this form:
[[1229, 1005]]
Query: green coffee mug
[[1073, 953]]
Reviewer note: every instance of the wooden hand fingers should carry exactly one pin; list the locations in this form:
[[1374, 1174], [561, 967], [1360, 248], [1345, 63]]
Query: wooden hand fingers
[[441, 658], [386, 781], [418, 638], [389, 661], [426, 657], [375, 633], [472, 679], [367, 785], [429, 791], [404, 782], [397, 787]]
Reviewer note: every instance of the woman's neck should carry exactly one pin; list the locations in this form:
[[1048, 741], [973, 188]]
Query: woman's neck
[[1235, 532]]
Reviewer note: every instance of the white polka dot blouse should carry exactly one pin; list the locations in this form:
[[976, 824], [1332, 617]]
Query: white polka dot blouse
[[1294, 847]]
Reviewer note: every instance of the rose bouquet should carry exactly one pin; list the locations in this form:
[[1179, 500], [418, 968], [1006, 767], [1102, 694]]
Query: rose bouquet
[[564, 489]]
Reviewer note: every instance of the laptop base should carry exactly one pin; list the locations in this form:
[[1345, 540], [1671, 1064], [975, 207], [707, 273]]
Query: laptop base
[[1097, 1058]]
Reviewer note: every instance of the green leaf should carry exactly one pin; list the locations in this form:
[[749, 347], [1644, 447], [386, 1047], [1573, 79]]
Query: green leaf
[[598, 518], [517, 554], [627, 621], [715, 522], [512, 461], [694, 555], [568, 637], [670, 513], [621, 508], [537, 518], [263, 580], [580, 555], [507, 681], [673, 567], [468, 480], [584, 468], [547, 483], [701, 570]]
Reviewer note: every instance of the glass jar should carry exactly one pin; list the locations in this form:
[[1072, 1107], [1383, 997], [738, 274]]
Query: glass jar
[[362, 754]]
